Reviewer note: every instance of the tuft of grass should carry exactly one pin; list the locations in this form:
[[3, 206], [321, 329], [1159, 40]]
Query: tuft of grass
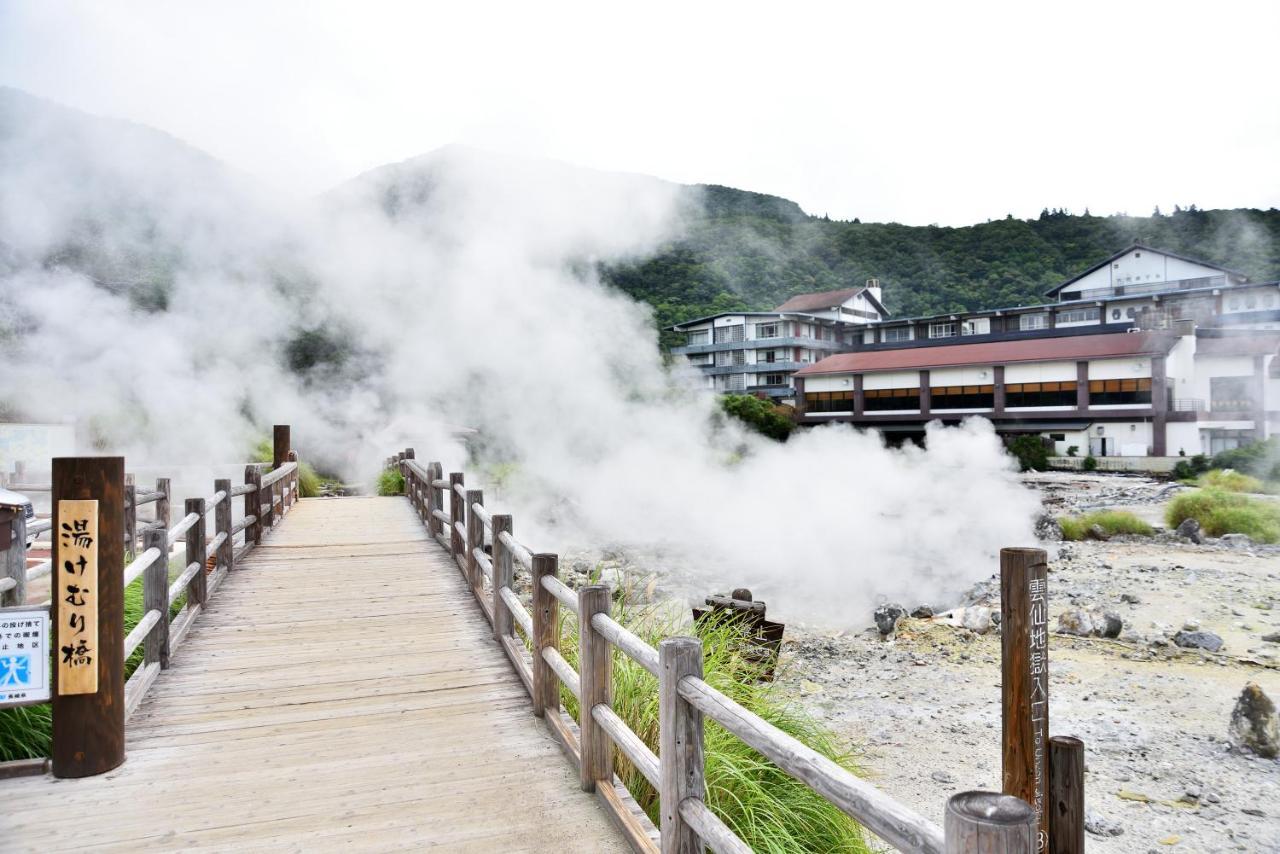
[[308, 479], [1112, 521], [390, 482], [1230, 480], [768, 809], [1220, 512]]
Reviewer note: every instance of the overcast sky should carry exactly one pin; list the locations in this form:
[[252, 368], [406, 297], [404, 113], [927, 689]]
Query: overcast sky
[[950, 113]]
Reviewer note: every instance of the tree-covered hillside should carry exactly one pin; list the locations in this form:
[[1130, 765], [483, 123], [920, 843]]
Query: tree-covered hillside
[[750, 251]]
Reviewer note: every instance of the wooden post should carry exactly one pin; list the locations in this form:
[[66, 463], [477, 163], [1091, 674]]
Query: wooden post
[[455, 513], [1024, 610], [679, 743], [155, 596], [266, 509], [198, 587], [503, 573], [222, 522], [15, 559], [88, 729], [435, 498], [475, 540], [162, 505], [1066, 795], [279, 445], [988, 823], [595, 666], [130, 514], [252, 502], [293, 479], [546, 633]]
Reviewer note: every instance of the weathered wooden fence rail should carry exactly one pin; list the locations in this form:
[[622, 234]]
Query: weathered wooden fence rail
[[210, 550], [975, 821]]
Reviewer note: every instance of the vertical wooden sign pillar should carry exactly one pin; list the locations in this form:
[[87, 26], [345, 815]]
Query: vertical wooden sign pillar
[[279, 445], [1024, 638], [88, 615]]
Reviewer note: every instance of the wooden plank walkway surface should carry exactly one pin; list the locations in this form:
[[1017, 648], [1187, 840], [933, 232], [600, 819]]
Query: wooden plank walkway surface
[[342, 691]]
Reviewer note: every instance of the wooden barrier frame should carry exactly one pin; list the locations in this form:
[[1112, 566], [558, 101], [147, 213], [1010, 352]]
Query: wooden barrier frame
[[975, 821]]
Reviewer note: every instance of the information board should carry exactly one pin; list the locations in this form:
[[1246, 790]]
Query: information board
[[24, 656]]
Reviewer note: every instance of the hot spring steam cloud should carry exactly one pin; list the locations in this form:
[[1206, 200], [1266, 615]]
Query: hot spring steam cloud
[[455, 289]]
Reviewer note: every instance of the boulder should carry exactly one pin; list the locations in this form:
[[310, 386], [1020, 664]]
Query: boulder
[[977, 619], [1198, 640], [1075, 621], [1109, 625], [1097, 532], [1130, 598], [1274, 637], [1047, 528], [887, 617], [1254, 725], [1189, 529], [1100, 825], [922, 612], [1236, 541]]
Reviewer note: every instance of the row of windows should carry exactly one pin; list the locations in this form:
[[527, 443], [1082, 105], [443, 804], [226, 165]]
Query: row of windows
[[891, 398], [962, 397], [829, 401], [1112, 392], [1041, 394]]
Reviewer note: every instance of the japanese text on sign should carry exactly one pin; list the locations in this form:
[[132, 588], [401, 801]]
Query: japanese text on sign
[[1037, 588], [24, 656], [76, 595]]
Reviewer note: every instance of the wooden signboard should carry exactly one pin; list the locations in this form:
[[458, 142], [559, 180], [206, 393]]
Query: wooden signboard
[[76, 589]]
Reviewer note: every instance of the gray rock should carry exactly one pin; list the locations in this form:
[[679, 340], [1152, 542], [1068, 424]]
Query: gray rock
[[1236, 541], [942, 777], [976, 619], [1047, 528], [1130, 598], [1099, 825], [887, 617], [922, 612], [1254, 725], [1097, 532], [1110, 625], [1274, 637], [1198, 640], [1189, 529], [1075, 621]]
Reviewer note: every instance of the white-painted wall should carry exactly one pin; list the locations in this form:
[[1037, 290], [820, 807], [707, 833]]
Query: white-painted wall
[[1040, 372], [829, 382], [977, 375], [1183, 436], [891, 379], [1141, 267], [1218, 366], [1119, 369], [1262, 298]]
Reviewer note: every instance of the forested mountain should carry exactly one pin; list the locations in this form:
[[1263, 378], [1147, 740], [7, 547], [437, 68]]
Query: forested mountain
[[751, 251]]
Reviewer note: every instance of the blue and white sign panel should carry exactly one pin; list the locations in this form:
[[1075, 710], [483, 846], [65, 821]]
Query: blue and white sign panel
[[24, 656]]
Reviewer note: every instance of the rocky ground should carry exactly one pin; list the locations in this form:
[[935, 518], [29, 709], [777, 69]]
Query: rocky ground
[[1161, 774], [1153, 702]]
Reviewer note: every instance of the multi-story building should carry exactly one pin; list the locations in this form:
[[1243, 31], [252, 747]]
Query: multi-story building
[[758, 352], [1146, 353]]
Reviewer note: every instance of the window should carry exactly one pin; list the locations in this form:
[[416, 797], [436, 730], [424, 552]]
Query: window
[[898, 333], [980, 326], [942, 330], [1040, 394], [1033, 321], [1115, 314], [1116, 392], [775, 379], [767, 330], [727, 334], [726, 358], [697, 336], [1078, 315], [737, 382], [1057, 437], [829, 401], [891, 398], [1230, 394], [962, 397], [1067, 297], [769, 356]]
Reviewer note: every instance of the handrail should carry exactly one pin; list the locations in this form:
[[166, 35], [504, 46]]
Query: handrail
[[710, 829], [211, 503], [176, 588], [637, 650], [568, 676], [632, 746], [40, 570], [518, 612], [244, 522], [519, 552], [242, 489], [486, 565], [887, 818], [185, 524], [461, 491], [275, 475], [215, 544], [561, 591], [38, 527], [141, 498], [140, 631], [483, 515], [139, 565]]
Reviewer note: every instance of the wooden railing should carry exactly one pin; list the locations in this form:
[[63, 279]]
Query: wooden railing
[[975, 821], [211, 545]]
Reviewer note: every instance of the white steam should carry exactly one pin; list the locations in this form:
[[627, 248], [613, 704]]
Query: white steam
[[475, 305]]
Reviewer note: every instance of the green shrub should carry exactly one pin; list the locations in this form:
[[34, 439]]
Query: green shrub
[[1089, 463], [1182, 471], [1073, 450], [1030, 451], [390, 482], [768, 809], [1230, 480], [308, 479], [1114, 522], [1220, 512], [760, 415], [1260, 459]]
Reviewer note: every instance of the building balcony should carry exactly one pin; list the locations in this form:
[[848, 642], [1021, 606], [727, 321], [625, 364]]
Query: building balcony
[[757, 368], [1145, 288], [758, 344]]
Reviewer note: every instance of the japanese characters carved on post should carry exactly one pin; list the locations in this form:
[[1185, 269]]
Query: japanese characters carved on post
[[76, 591]]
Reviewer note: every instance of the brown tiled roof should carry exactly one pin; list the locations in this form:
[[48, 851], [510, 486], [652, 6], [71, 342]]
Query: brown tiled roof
[[995, 353], [815, 302]]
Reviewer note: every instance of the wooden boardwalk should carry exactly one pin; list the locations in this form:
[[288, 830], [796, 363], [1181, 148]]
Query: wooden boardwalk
[[341, 692]]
